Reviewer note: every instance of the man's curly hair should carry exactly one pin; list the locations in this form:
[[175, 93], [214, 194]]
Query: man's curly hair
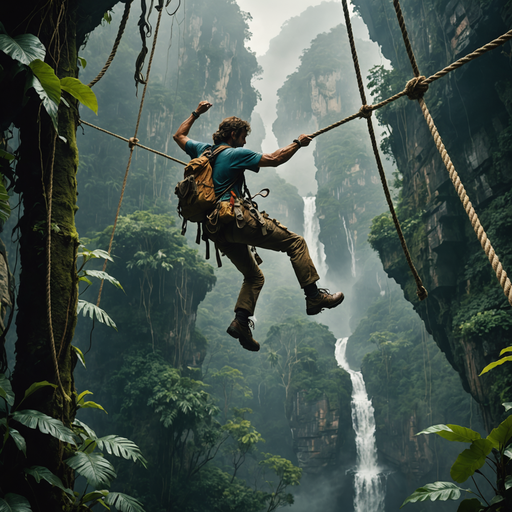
[[228, 126]]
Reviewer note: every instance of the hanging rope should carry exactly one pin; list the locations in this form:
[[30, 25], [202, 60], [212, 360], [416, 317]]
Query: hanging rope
[[366, 112], [132, 146], [459, 187], [131, 141], [120, 33]]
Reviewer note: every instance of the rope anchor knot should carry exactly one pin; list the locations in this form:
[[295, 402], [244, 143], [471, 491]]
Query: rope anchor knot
[[416, 88], [366, 111]]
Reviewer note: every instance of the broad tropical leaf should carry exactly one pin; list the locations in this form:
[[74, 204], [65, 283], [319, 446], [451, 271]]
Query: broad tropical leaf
[[441, 491], [103, 275], [46, 424], [93, 311], [508, 482], [121, 447], [453, 433], [500, 436], [7, 156], [123, 502], [97, 253], [24, 48], [92, 405], [19, 440], [507, 405], [508, 452], [14, 503], [98, 471], [94, 496], [83, 93], [49, 105], [37, 385], [88, 430], [6, 390], [42, 473], [82, 395], [470, 505], [470, 460], [80, 355], [492, 365], [47, 78]]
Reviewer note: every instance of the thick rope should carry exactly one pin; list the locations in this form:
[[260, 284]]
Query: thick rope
[[120, 33], [366, 112], [49, 273], [459, 187], [418, 86], [132, 146], [130, 141]]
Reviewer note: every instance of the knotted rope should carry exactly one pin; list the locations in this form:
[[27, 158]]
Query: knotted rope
[[120, 33], [132, 146], [459, 187], [366, 112]]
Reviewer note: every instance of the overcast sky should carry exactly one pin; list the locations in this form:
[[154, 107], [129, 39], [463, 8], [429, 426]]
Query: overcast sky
[[268, 16]]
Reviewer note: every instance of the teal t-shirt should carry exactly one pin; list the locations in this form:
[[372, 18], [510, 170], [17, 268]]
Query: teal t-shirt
[[228, 164]]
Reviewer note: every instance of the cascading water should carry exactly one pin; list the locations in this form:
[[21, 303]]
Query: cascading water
[[368, 484], [311, 232], [351, 248]]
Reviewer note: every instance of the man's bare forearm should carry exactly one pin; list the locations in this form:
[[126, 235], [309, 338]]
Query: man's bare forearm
[[181, 135], [284, 154]]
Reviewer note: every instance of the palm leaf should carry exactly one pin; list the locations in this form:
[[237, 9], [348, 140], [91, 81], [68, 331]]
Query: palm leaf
[[123, 502], [441, 491], [14, 503], [98, 471], [46, 424], [121, 447], [42, 473], [93, 311], [103, 275]]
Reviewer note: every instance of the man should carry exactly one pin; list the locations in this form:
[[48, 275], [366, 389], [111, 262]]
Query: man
[[248, 227]]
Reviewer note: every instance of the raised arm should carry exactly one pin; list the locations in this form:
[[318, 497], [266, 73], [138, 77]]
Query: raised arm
[[284, 154], [181, 135]]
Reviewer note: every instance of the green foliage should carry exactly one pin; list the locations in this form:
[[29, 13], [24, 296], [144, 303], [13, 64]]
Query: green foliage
[[485, 323], [14, 503], [498, 362], [441, 491], [41, 473], [94, 312]]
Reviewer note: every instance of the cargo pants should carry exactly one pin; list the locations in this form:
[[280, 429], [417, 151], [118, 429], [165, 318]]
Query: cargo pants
[[235, 238]]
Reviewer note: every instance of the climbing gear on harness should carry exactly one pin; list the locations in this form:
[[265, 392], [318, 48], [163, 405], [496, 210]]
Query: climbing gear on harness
[[324, 300], [244, 335]]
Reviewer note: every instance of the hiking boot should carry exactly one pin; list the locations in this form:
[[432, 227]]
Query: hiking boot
[[244, 335], [324, 300]]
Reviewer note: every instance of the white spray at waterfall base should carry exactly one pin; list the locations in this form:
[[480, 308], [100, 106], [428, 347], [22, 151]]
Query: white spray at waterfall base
[[368, 480]]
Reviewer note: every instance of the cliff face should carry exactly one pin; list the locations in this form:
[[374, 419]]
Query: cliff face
[[471, 108]]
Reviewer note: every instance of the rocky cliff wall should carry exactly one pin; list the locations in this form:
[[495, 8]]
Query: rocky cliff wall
[[471, 108]]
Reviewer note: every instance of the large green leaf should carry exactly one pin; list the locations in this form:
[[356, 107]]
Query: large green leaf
[[94, 496], [19, 440], [121, 447], [492, 365], [46, 424], [7, 156], [508, 482], [470, 505], [97, 253], [47, 78], [24, 48], [49, 105], [92, 405], [42, 473], [123, 502], [83, 93], [37, 385], [441, 491], [79, 354], [103, 275], [98, 471], [453, 433], [14, 503], [88, 430], [470, 460], [500, 436], [93, 311], [6, 389]]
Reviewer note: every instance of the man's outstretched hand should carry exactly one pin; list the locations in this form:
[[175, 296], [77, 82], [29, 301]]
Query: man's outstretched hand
[[304, 140]]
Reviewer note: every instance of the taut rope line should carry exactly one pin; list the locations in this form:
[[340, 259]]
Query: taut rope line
[[131, 142], [366, 113], [459, 187], [160, 10]]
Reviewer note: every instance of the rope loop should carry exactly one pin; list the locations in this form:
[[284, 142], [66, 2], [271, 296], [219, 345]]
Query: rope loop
[[422, 293], [132, 142], [416, 88], [366, 111]]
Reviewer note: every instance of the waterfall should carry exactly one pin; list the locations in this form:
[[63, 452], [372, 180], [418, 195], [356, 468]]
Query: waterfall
[[351, 248], [368, 485], [311, 232]]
